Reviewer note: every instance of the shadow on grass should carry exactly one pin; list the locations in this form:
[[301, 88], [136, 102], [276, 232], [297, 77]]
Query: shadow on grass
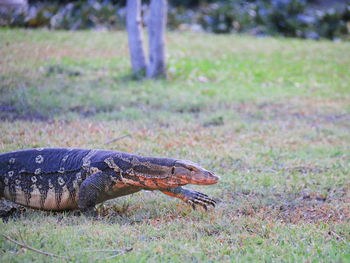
[[13, 113]]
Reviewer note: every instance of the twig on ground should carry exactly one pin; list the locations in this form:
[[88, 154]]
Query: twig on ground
[[111, 250], [24, 245], [120, 252], [117, 139]]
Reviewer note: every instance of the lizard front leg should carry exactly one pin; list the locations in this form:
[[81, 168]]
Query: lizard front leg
[[190, 196], [93, 191]]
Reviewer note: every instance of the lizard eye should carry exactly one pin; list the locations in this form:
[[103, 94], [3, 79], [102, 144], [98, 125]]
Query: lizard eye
[[173, 170], [191, 169]]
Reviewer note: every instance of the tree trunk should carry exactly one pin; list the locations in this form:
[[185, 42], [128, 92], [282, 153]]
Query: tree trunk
[[135, 37], [156, 33]]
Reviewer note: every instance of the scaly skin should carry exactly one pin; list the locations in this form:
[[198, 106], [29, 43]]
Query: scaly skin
[[64, 179]]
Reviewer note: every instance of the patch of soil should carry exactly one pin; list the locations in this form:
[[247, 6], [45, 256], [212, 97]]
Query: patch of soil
[[12, 113], [60, 70], [306, 206], [284, 111]]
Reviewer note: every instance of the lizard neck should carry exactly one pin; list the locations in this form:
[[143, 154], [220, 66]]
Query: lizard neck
[[145, 172]]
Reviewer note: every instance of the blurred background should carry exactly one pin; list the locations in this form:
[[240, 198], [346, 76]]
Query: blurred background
[[311, 19]]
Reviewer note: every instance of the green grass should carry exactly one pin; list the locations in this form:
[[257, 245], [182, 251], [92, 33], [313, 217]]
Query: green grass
[[270, 116]]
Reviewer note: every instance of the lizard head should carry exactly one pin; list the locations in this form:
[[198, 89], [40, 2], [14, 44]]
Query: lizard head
[[191, 173], [160, 173]]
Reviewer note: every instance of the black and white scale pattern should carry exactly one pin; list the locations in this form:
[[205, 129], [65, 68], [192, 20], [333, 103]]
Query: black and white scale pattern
[[57, 169], [43, 169]]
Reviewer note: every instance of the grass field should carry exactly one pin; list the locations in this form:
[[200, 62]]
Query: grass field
[[270, 116]]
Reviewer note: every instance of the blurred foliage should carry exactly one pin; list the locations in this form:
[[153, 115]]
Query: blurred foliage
[[74, 15], [291, 18]]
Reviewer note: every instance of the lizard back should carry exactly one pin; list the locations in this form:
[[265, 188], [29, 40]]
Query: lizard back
[[43, 178]]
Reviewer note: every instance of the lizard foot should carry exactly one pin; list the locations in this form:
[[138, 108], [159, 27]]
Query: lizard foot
[[197, 198], [191, 197]]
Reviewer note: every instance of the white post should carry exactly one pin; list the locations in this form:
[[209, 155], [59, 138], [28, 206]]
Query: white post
[[156, 33], [135, 36]]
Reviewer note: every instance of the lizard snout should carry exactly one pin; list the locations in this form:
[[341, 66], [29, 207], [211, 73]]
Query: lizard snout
[[205, 178], [191, 173]]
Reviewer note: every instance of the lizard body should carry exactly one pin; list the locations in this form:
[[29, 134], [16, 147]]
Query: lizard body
[[64, 179]]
